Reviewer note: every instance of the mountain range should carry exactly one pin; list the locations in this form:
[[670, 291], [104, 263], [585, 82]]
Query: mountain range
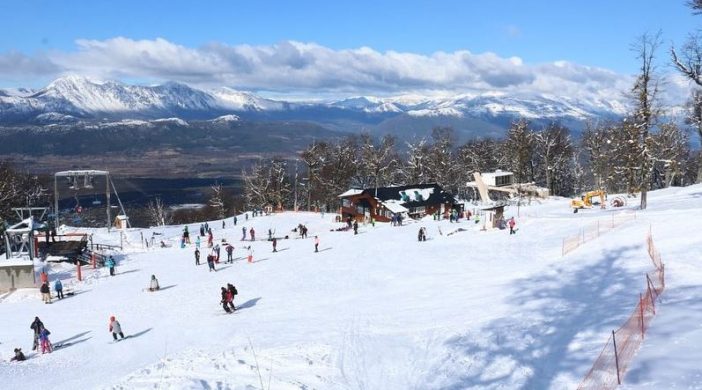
[[74, 99], [75, 121]]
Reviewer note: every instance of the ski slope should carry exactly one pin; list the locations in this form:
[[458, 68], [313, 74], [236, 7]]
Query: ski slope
[[377, 310]]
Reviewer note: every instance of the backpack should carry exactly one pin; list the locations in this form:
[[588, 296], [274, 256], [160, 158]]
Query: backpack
[[234, 290]]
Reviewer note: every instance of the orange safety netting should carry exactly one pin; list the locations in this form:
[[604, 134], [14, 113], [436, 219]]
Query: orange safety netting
[[608, 370]]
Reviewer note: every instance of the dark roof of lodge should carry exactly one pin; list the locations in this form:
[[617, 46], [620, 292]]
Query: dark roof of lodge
[[437, 196]]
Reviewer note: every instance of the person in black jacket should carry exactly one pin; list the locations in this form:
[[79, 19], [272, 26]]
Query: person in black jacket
[[19, 356], [45, 292], [37, 326]]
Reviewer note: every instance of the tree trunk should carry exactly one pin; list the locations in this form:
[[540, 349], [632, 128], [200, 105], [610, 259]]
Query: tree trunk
[[644, 195]]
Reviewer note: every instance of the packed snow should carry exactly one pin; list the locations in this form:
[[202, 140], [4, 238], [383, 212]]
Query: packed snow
[[467, 309]]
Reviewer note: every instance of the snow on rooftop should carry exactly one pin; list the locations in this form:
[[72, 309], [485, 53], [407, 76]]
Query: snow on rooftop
[[394, 206], [350, 192]]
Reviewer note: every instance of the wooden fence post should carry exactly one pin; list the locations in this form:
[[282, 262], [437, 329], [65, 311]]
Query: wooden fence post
[[642, 314]]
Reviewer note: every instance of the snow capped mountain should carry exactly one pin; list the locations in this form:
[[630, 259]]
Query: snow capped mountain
[[244, 101], [366, 104], [78, 97], [225, 119]]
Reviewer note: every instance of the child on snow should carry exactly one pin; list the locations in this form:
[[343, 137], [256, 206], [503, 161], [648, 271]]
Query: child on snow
[[115, 328], [19, 356], [44, 341], [153, 284], [316, 243], [197, 256]]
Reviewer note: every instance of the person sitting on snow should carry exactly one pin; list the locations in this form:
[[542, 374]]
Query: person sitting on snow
[[19, 356], [153, 284]]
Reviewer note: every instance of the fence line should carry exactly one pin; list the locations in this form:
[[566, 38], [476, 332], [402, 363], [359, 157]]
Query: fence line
[[608, 370], [593, 231]]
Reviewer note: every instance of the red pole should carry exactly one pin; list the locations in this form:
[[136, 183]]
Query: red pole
[[80, 277]]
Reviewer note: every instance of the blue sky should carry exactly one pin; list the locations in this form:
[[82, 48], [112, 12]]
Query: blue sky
[[41, 39]]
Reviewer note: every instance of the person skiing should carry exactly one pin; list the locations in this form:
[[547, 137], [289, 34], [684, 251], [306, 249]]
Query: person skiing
[[252, 233], [275, 243], [511, 224], [19, 356], [197, 256], [202, 230], [235, 220], [45, 292], [247, 216], [207, 227], [111, 264], [59, 289], [43, 277], [230, 251], [115, 328], [419, 235], [223, 224], [211, 263], [153, 284], [46, 346], [210, 238], [226, 299], [243, 233], [316, 243], [355, 227], [197, 242], [186, 235], [232, 291], [37, 327]]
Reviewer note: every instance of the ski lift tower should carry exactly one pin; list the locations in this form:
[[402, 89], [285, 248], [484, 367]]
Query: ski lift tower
[[74, 180]]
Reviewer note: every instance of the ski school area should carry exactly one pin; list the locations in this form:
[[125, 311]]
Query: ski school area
[[466, 308]]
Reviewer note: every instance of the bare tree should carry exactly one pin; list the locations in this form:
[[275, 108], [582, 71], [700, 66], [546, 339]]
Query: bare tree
[[670, 152], [644, 94], [519, 148], [377, 163], [689, 63], [159, 215], [553, 152], [217, 200]]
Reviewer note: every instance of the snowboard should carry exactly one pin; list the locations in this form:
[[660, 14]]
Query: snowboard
[[118, 340]]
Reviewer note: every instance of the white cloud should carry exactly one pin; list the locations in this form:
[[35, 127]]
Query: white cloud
[[309, 69]]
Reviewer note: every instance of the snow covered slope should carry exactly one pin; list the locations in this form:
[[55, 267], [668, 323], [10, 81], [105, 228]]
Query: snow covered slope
[[466, 309]]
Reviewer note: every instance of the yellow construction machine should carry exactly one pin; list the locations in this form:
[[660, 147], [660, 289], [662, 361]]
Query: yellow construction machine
[[585, 201]]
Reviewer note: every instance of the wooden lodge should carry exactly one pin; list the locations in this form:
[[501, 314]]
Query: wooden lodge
[[414, 201]]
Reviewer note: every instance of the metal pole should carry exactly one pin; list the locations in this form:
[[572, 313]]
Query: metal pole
[[107, 194], [56, 210], [616, 358]]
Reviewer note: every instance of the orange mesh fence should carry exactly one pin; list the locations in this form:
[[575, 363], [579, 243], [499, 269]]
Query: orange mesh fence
[[608, 370], [594, 230]]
